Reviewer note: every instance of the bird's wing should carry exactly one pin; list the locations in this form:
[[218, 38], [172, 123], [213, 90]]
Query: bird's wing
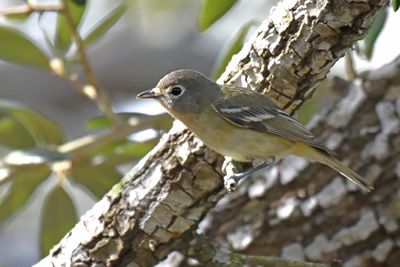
[[254, 111]]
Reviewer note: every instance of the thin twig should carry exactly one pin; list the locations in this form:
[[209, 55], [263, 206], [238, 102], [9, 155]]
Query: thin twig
[[31, 7], [91, 142], [100, 96]]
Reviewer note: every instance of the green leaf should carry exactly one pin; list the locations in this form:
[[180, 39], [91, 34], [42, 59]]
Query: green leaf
[[232, 48], [395, 5], [18, 17], [133, 149], [139, 120], [14, 135], [105, 24], [41, 128], [63, 36], [212, 10], [373, 34], [33, 156], [57, 218], [17, 48], [97, 178], [24, 183], [125, 151]]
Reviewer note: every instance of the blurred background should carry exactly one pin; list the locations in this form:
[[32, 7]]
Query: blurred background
[[153, 38]]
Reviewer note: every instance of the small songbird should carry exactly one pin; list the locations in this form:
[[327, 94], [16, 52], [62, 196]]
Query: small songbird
[[240, 123]]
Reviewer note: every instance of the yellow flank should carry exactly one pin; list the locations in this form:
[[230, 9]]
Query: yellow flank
[[228, 139]]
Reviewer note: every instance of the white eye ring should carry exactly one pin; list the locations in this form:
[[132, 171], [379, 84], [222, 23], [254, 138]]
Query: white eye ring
[[177, 90]]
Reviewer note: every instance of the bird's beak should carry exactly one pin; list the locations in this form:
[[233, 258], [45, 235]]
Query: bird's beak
[[147, 94]]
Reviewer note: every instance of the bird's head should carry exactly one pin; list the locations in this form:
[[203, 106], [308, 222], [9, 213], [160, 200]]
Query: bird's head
[[183, 91]]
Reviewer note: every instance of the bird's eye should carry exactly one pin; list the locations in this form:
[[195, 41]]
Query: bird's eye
[[177, 90]]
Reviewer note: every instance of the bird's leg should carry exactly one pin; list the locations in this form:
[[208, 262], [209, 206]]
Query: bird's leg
[[231, 166], [232, 177]]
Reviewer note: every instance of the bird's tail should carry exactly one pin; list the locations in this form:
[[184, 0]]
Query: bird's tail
[[312, 153]]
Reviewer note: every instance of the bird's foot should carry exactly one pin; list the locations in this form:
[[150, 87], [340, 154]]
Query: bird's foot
[[232, 177]]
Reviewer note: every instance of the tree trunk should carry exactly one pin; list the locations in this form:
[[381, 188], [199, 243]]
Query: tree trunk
[[295, 210]]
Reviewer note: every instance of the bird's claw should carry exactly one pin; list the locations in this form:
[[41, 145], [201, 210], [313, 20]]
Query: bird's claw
[[231, 178], [230, 184]]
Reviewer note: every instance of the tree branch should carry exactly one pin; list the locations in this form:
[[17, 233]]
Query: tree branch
[[97, 93], [307, 210], [208, 252], [32, 6], [169, 192]]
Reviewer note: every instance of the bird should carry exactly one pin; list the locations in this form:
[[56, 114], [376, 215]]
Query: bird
[[240, 123]]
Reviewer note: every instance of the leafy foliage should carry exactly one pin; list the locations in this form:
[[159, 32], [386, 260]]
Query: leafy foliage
[[105, 24], [63, 37], [212, 10], [36, 129], [32, 145], [26, 129], [33, 156], [97, 178], [232, 48], [18, 17], [16, 47], [13, 134], [58, 217], [24, 181], [395, 5], [139, 120], [124, 151], [373, 34]]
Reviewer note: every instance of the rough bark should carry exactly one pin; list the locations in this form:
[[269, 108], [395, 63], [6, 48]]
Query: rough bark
[[304, 211], [208, 252], [153, 210]]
